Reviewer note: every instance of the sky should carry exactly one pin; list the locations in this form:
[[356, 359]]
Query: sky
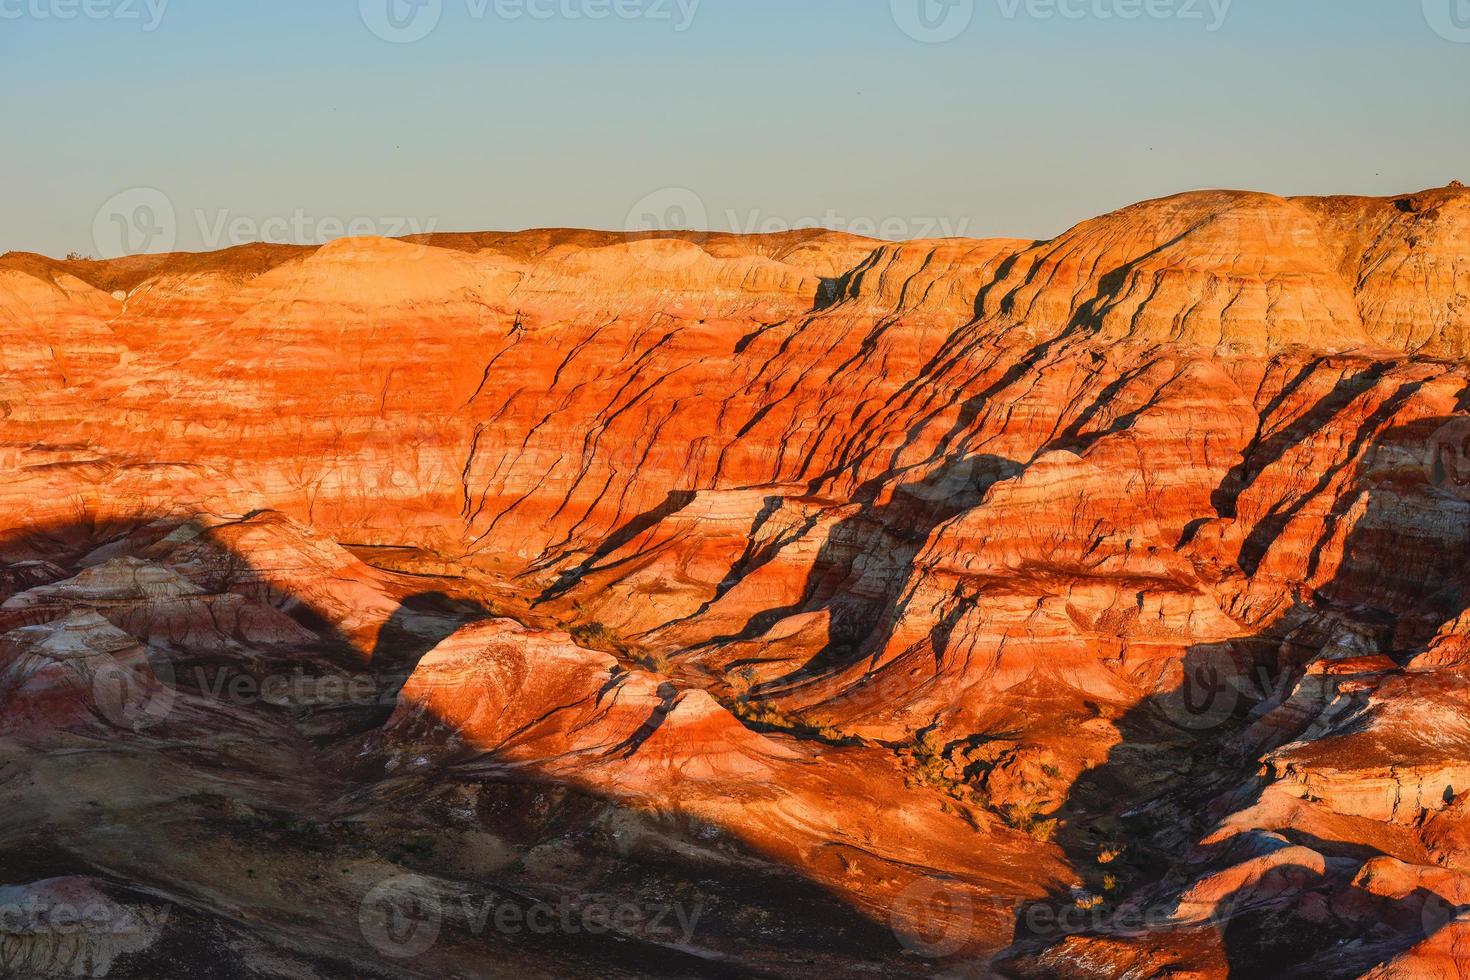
[[146, 125]]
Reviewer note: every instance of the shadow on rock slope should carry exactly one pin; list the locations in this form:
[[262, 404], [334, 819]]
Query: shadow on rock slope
[[1200, 849]]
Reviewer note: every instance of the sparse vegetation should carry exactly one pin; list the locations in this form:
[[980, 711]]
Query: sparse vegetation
[[929, 763], [605, 639], [1027, 818], [764, 714], [658, 663], [743, 680], [596, 636]]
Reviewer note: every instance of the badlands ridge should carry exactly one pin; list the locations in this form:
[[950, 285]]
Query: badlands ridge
[[1086, 608]]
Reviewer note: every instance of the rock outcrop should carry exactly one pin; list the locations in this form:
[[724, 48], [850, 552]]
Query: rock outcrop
[[1090, 607]]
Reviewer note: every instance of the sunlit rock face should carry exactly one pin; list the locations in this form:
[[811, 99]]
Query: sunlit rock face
[[1094, 607]]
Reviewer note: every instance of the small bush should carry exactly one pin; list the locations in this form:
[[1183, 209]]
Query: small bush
[[1043, 830], [1020, 815], [658, 663], [1026, 817], [827, 733], [744, 679], [596, 636], [930, 764], [762, 713]]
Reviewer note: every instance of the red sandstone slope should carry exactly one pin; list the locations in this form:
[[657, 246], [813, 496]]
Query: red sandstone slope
[[1124, 568]]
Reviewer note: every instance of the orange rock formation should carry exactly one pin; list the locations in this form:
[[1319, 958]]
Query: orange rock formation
[[1084, 608]]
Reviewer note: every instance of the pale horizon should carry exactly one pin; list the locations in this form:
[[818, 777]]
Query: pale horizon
[[1034, 115]]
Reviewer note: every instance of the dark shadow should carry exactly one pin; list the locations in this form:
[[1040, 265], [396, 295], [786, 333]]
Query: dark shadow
[[676, 501], [891, 530], [292, 795], [1265, 450], [1190, 756]]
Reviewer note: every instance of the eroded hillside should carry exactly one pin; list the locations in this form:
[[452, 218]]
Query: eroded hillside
[[1083, 608]]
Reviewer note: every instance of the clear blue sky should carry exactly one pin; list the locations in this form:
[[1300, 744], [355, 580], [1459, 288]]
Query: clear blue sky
[[767, 111]]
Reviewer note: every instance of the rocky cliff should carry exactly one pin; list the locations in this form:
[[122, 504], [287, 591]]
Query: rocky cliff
[[1086, 608]]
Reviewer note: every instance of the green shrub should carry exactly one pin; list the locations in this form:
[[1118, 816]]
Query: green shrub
[[1026, 817]]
